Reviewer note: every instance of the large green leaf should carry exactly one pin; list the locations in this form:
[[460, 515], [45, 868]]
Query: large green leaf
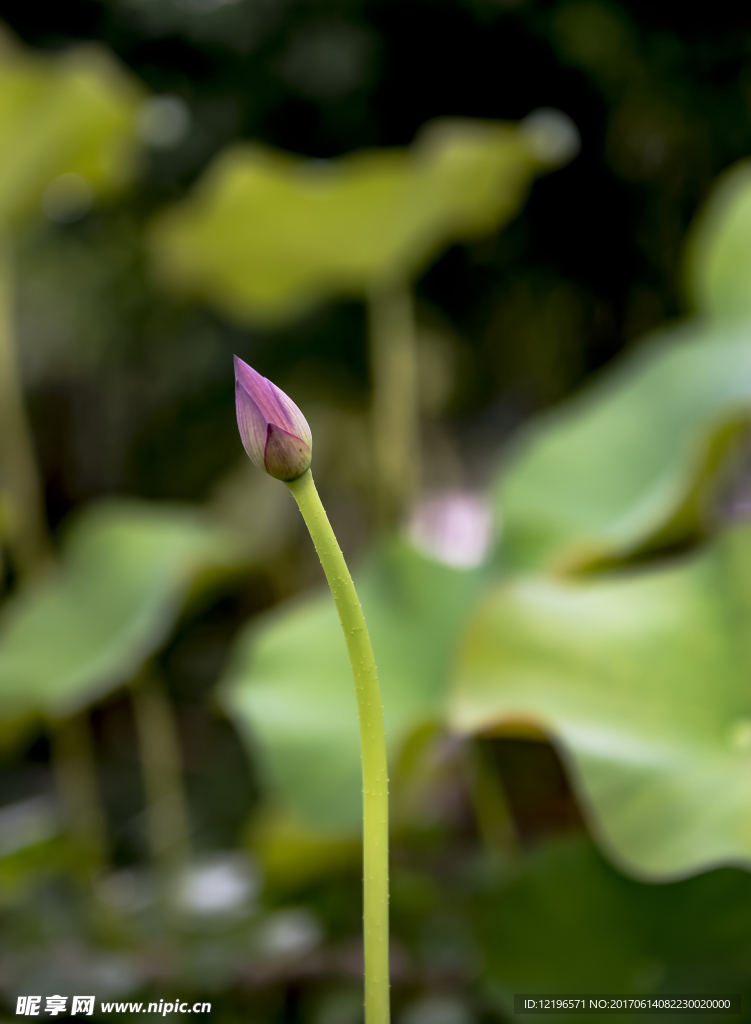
[[266, 234], [290, 688], [570, 924], [85, 627], [626, 464], [643, 679], [719, 249], [70, 115]]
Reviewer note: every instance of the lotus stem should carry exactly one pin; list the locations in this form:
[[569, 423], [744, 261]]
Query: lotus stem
[[161, 764], [395, 407], [30, 549], [20, 486], [495, 820], [75, 770], [373, 749]]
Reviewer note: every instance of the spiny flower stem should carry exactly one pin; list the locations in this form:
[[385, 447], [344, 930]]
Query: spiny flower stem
[[373, 746]]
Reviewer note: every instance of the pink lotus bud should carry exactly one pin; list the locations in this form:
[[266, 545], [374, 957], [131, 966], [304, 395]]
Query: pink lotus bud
[[274, 432]]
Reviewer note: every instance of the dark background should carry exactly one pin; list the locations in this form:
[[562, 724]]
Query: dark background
[[660, 94]]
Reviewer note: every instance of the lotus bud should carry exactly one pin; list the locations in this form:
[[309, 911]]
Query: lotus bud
[[274, 432]]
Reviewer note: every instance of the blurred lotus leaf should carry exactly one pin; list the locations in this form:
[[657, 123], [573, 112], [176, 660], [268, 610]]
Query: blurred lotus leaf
[[266, 234], [86, 626], [292, 855], [67, 130], [719, 250], [628, 464], [290, 687], [642, 677], [569, 923]]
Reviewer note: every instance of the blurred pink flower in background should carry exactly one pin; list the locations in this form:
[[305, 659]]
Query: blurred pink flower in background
[[454, 527]]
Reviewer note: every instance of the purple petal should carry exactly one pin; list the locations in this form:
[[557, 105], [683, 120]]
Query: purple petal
[[256, 386], [286, 456], [289, 417], [273, 404], [251, 424]]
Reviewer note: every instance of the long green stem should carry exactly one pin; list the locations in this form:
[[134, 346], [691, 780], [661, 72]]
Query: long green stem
[[373, 747], [25, 523], [395, 402], [494, 818], [20, 487], [166, 805], [75, 769]]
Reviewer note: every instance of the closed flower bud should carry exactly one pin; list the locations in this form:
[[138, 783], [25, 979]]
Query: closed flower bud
[[274, 432]]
